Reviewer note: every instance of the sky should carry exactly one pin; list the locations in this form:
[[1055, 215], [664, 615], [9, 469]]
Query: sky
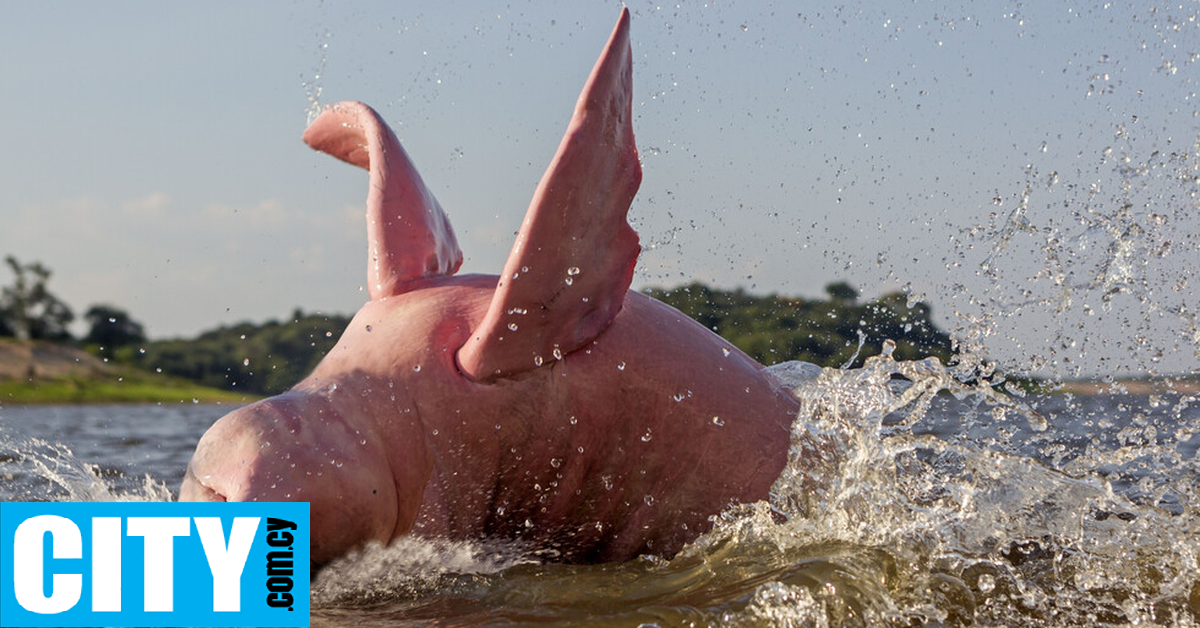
[[1030, 170]]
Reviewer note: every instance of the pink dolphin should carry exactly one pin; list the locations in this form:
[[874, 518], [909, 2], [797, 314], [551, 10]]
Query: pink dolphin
[[549, 404]]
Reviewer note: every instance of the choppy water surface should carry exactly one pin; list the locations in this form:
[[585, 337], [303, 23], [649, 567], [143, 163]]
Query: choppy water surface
[[935, 504]]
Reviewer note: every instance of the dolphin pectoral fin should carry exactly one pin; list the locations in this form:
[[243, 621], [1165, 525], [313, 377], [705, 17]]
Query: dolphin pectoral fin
[[573, 260], [408, 234]]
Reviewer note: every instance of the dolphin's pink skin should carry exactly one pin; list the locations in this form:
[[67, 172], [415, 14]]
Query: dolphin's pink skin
[[408, 235], [549, 405], [573, 259]]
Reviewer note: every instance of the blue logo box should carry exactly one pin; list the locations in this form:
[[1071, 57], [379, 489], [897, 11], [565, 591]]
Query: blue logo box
[[154, 564]]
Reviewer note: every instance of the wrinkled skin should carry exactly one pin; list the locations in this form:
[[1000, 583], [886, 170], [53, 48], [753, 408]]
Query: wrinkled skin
[[548, 405], [611, 452]]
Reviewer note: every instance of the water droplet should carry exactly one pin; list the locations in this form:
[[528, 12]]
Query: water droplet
[[621, 366], [537, 360], [329, 334], [572, 271], [556, 462], [368, 328], [512, 327], [649, 499], [417, 368], [986, 583], [558, 355], [647, 436], [725, 351], [718, 421], [573, 420], [246, 362]]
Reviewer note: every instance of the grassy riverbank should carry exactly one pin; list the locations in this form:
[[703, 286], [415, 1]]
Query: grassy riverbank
[[82, 390], [43, 373]]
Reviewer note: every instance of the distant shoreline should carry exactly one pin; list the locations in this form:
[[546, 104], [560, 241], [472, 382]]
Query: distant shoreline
[[43, 373], [1139, 386]]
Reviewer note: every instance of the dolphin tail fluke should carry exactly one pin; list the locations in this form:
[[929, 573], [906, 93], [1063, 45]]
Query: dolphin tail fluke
[[408, 235], [573, 260]]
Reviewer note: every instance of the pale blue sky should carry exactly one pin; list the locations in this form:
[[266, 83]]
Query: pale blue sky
[[151, 153]]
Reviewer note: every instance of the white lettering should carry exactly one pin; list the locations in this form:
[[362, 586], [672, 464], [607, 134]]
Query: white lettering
[[227, 562], [159, 534], [29, 570], [106, 564]]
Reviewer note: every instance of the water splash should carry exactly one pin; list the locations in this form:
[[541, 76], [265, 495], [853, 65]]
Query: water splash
[[931, 527], [36, 470], [313, 86], [1107, 247], [911, 498], [408, 570]]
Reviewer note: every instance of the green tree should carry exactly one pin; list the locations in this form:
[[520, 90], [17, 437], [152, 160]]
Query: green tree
[[28, 309], [774, 329], [266, 358], [842, 292], [112, 327]]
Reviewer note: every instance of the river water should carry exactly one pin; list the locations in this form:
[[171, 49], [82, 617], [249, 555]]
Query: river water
[[944, 504]]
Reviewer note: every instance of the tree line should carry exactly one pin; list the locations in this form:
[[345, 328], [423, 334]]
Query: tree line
[[263, 359], [29, 311], [838, 331], [268, 358]]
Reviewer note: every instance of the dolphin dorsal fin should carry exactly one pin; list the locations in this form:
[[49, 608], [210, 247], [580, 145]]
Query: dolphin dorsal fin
[[408, 234], [573, 260]]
